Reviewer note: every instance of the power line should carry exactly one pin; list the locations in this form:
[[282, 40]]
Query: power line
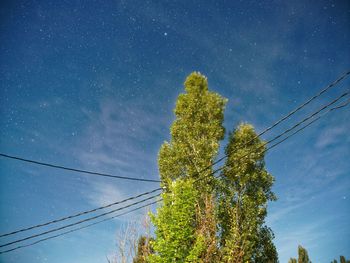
[[311, 122], [295, 132], [157, 189], [334, 83], [310, 116], [79, 214], [86, 212], [79, 222], [305, 103], [75, 169], [110, 218], [300, 129], [79, 228], [286, 131]]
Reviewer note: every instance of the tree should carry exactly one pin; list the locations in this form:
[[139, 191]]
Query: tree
[[188, 232], [243, 193], [144, 249], [342, 260], [131, 246], [303, 256], [195, 133], [126, 243], [265, 251]]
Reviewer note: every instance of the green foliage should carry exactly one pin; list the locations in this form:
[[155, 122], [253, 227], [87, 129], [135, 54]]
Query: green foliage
[[243, 193], [175, 223], [184, 223], [192, 218], [342, 260], [303, 256], [265, 250], [195, 133], [143, 249]]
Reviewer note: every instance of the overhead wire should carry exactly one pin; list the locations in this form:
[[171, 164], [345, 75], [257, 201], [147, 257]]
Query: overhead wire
[[78, 228], [269, 128], [109, 218], [75, 169], [311, 122], [294, 126], [298, 108], [310, 116], [278, 136], [79, 214], [77, 223], [157, 189]]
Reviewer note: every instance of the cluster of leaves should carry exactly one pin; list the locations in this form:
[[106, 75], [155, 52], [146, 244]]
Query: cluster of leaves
[[176, 236]]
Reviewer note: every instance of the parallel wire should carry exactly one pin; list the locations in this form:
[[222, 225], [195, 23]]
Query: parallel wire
[[334, 83], [79, 214], [88, 219], [75, 169], [286, 131], [292, 134], [313, 121], [79, 228], [77, 223], [135, 209], [310, 116], [212, 173]]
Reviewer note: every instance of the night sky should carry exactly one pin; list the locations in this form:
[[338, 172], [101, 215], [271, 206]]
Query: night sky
[[93, 84]]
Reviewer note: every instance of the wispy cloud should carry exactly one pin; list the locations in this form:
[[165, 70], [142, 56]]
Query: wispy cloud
[[330, 136], [116, 137], [117, 140], [103, 193]]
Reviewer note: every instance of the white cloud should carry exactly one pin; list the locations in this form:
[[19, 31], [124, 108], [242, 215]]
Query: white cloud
[[330, 136], [116, 141], [103, 193]]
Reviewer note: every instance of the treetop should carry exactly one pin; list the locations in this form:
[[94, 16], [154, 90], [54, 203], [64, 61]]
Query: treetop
[[196, 82]]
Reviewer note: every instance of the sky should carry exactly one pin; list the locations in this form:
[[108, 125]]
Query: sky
[[92, 85]]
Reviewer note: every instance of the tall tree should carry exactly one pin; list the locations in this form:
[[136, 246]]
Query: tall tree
[[195, 133], [303, 256], [243, 193], [292, 260], [185, 223]]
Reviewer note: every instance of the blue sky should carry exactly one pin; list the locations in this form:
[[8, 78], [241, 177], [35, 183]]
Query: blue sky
[[93, 84]]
